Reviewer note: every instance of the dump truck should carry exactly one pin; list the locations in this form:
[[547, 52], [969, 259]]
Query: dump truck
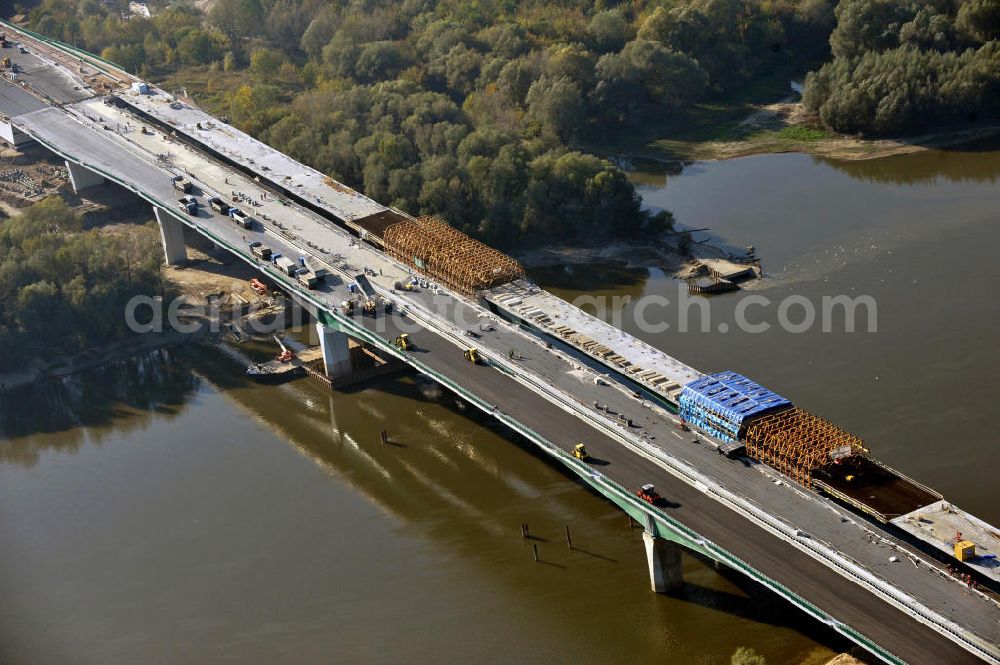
[[286, 265], [313, 265], [241, 218], [306, 278], [403, 342], [472, 355], [260, 250], [188, 204], [580, 452], [182, 184], [219, 206]]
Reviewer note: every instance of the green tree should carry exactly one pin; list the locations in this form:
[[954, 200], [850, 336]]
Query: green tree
[[557, 105], [265, 63], [608, 31]]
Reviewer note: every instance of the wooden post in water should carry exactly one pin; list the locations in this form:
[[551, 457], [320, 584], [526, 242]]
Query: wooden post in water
[[534, 552], [569, 541], [385, 437], [524, 530]]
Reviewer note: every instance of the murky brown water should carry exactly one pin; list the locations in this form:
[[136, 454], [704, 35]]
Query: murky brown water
[[166, 511]]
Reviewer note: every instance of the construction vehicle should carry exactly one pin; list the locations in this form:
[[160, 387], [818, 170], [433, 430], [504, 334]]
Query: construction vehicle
[[472, 355], [648, 494], [258, 287], [318, 270], [188, 204], [260, 250], [5, 62], [369, 309], [403, 342], [241, 218], [182, 184], [347, 307], [219, 206], [306, 278], [403, 286], [682, 425], [286, 265], [580, 452]]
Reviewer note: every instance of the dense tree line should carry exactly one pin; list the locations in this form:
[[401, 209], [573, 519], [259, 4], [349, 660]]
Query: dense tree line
[[62, 287], [906, 66], [474, 110]]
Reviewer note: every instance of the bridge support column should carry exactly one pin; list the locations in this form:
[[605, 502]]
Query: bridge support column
[[664, 559], [81, 177], [13, 136], [336, 351], [172, 233]]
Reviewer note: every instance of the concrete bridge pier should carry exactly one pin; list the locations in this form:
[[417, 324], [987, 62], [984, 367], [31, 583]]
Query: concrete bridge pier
[[664, 559], [172, 233], [81, 177], [12, 135], [336, 351]]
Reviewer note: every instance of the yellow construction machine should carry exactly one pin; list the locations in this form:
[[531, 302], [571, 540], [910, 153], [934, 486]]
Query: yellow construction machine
[[472, 355], [403, 342], [580, 452]]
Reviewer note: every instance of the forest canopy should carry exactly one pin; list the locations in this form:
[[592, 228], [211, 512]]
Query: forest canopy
[[901, 66], [64, 288], [478, 111]]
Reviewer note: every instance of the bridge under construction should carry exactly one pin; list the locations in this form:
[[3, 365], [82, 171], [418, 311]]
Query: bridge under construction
[[755, 482]]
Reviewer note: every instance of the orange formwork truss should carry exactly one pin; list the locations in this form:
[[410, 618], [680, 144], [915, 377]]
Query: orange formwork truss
[[796, 442], [449, 256]]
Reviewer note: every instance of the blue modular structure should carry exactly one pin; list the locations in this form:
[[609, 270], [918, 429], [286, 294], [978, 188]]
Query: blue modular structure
[[722, 403]]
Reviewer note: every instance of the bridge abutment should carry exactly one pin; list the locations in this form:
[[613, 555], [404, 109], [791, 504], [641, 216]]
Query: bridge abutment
[[172, 234], [336, 351], [664, 559], [81, 177]]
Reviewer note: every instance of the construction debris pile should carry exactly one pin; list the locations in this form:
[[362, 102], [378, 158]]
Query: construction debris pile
[[449, 256]]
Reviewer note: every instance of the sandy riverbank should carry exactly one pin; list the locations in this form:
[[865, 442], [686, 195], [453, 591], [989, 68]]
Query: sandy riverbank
[[786, 126]]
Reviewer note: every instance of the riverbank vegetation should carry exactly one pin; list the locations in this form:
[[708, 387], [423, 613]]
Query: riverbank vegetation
[[64, 288], [479, 112], [901, 66]]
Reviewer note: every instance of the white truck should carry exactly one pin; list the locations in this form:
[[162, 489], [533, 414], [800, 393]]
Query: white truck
[[241, 218]]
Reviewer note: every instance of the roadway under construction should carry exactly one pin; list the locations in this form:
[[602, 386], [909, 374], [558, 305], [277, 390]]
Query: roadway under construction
[[559, 384]]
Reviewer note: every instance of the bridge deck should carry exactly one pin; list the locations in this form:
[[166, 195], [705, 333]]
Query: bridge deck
[[131, 159]]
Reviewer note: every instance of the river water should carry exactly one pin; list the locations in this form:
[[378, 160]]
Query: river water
[[164, 510]]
